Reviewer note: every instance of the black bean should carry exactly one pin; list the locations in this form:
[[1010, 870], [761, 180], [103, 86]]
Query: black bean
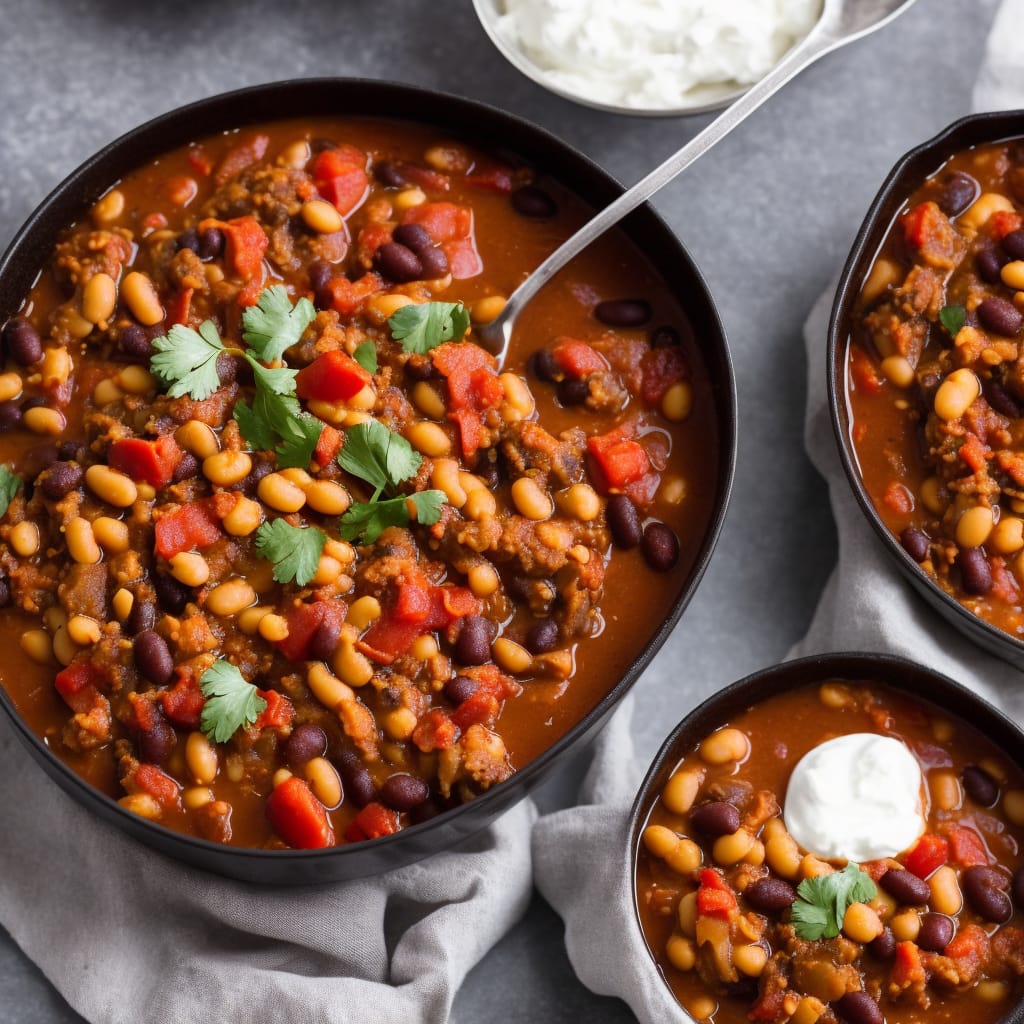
[[306, 742], [936, 932], [5, 591], [999, 316], [980, 786], [975, 572], [187, 468], [36, 459], [989, 263], [660, 547], [10, 416], [717, 818], [171, 595], [915, 542], [397, 263], [359, 785], [542, 637], [153, 657], [211, 243], [624, 521], [388, 173], [473, 644], [533, 202], [958, 192], [22, 342], [402, 792], [859, 1008], [434, 262], [1013, 244], [35, 402], [665, 337], [256, 474], [413, 236], [544, 367], [1018, 887], [489, 471], [573, 392], [623, 312], [325, 640], [460, 688], [770, 894], [227, 368], [134, 340], [156, 744], [188, 239], [905, 886], [61, 479], [70, 451], [141, 617], [419, 367], [883, 946], [320, 273], [984, 889], [1000, 399]]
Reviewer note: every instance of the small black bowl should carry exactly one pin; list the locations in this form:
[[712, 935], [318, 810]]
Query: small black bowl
[[490, 127], [908, 175], [897, 674]]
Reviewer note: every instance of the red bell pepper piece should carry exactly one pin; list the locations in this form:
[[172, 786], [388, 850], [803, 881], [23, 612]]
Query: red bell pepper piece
[[577, 359], [189, 527], [183, 702], [966, 847], [245, 244], [372, 822], [332, 377], [298, 817], [303, 622], [151, 462], [930, 852], [714, 897], [661, 368]]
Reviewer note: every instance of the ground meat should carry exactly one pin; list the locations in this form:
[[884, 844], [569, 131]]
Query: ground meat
[[84, 590]]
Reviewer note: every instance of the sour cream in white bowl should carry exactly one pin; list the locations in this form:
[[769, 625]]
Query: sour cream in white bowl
[[647, 57]]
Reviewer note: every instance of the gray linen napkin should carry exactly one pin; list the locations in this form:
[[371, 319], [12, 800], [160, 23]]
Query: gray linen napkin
[[580, 855], [127, 935]]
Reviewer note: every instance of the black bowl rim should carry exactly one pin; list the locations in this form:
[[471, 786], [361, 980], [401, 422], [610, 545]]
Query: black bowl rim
[[900, 674], [233, 860], [992, 126]]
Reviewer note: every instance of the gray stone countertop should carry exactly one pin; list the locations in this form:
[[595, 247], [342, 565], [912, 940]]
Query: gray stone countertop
[[768, 215]]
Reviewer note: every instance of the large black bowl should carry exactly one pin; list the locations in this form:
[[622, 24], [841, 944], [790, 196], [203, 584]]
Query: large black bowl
[[486, 127], [908, 174], [896, 673]]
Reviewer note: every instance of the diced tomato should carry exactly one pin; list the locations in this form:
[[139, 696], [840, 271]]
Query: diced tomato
[[974, 453], [370, 238], [412, 602], [907, 969], [483, 707], [922, 223], [459, 602], [463, 259], [298, 817], [347, 296], [148, 778], [241, 156], [493, 178], [199, 161], [444, 222], [279, 712], [245, 244], [331, 377], [424, 177], [662, 367], [372, 822], [621, 460], [863, 373], [142, 715], [435, 731], [151, 462], [153, 222], [329, 163], [303, 622], [414, 610], [898, 498], [340, 177], [78, 684], [1004, 583], [182, 189], [966, 847], [577, 359], [183, 702], [1003, 222], [930, 852], [714, 897], [473, 387], [179, 307], [971, 943], [189, 527], [328, 446]]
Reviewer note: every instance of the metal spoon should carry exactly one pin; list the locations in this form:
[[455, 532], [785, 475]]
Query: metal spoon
[[841, 22]]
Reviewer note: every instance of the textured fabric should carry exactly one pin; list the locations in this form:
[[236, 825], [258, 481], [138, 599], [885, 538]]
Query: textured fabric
[[580, 855]]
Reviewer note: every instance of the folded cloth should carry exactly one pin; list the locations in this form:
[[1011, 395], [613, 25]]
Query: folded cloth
[[127, 935], [580, 855]]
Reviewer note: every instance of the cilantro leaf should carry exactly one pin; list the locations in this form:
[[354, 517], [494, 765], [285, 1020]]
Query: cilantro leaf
[[366, 356], [255, 430], [296, 450], [294, 550], [273, 324], [428, 506], [231, 702], [424, 326], [953, 319], [186, 360], [365, 521], [379, 456], [822, 902], [277, 382], [10, 483]]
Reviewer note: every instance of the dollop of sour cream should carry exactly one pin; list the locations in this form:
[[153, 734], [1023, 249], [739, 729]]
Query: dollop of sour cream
[[654, 54], [856, 797]]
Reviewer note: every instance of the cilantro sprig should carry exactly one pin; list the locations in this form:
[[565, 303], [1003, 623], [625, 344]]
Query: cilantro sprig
[[231, 702], [10, 484], [383, 459], [186, 360], [294, 550], [822, 902], [274, 324], [419, 328], [953, 319]]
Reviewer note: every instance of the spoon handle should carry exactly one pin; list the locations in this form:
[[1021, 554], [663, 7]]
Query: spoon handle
[[497, 333]]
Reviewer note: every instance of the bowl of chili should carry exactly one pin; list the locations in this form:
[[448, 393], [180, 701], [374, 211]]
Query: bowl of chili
[[299, 584], [922, 357], [739, 918]]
